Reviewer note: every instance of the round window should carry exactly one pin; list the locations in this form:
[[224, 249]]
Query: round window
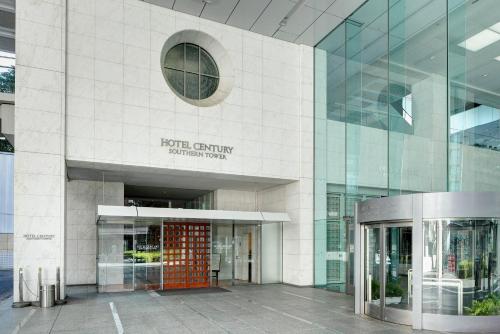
[[191, 71]]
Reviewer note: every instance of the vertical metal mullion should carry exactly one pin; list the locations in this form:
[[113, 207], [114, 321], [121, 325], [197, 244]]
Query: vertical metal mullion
[[233, 255], [382, 270], [199, 73], [210, 258], [133, 261], [162, 249], [184, 73]]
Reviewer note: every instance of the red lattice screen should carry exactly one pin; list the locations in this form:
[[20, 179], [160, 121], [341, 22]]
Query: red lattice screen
[[186, 255]]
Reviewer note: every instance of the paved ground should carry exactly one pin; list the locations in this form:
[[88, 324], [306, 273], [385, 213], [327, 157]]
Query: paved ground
[[246, 309], [5, 284]]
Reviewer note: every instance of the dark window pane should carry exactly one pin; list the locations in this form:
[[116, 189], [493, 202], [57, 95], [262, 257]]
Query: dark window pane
[[192, 86], [208, 86], [207, 64], [192, 58], [176, 80], [175, 57]]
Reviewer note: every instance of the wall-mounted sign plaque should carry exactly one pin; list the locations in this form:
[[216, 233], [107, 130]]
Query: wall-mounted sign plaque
[[38, 236]]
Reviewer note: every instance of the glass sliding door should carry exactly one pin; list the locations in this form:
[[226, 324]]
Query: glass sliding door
[[222, 254], [388, 272], [147, 256], [373, 272], [115, 258], [246, 254], [398, 273]]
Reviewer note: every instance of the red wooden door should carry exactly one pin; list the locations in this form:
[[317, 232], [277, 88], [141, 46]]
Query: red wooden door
[[186, 255]]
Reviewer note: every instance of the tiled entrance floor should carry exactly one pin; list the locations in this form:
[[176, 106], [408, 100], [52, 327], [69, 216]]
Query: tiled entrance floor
[[246, 309]]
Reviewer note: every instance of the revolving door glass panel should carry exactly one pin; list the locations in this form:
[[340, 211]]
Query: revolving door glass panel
[[388, 272]]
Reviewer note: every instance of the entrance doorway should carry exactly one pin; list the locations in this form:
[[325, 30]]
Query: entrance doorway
[[388, 272], [236, 247], [186, 255]]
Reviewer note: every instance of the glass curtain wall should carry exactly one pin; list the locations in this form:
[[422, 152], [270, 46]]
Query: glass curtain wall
[[406, 100]]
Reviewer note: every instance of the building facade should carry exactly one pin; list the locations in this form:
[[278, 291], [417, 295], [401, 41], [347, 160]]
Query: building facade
[[98, 110], [406, 101]]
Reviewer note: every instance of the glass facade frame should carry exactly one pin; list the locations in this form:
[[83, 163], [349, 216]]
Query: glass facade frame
[[403, 104]]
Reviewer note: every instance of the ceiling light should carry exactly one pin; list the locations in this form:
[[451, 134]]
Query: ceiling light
[[495, 27], [480, 40], [497, 58]]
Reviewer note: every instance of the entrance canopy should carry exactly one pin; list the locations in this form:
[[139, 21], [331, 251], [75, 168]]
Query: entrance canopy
[[116, 214]]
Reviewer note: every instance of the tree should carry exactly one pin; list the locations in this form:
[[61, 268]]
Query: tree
[[7, 80]]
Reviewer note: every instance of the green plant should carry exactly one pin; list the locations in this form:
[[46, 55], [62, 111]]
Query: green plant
[[143, 257], [7, 80], [392, 289], [465, 269], [488, 306]]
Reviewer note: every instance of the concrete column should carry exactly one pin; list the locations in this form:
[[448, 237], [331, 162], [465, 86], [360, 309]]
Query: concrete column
[[39, 182]]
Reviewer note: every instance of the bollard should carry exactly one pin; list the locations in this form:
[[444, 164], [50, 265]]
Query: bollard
[[21, 302], [58, 284]]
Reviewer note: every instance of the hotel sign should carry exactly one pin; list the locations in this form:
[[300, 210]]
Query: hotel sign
[[38, 236], [200, 150]]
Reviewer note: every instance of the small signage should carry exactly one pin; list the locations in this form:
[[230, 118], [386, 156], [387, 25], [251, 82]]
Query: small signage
[[38, 236]]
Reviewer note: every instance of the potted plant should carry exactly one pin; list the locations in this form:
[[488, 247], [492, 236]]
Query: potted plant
[[393, 292], [488, 306]]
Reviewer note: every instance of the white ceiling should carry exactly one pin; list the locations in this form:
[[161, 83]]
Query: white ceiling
[[308, 23], [162, 177]]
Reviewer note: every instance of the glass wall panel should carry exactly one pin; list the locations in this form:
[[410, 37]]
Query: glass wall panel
[[417, 96], [272, 250], [461, 274], [222, 251], [115, 258], [147, 256], [474, 103]]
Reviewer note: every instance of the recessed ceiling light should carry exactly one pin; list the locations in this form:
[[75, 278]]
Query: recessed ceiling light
[[497, 58], [480, 40], [484, 75], [495, 27]]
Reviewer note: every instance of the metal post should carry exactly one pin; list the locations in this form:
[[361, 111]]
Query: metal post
[[21, 280], [58, 284], [39, 282]]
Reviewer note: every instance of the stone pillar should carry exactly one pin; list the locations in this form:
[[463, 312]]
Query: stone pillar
[[39, 181]]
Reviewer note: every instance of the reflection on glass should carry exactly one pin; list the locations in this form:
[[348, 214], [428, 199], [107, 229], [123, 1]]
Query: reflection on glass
[[147, 256], [192, 86], [222, 251], [176, 79], [398, 268], [115, 260], [460, 267], [372, 266]]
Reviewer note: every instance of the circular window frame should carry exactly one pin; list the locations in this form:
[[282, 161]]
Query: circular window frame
[[219, 56]]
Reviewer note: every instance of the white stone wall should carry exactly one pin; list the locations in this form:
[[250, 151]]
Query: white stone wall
[[81, 228], [226, 199], [102, 99], [119, 105], [40, 130]]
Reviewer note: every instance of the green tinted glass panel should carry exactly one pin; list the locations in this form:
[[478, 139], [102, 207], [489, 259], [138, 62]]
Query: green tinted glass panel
[[192, 86], [192, 58], [175, 57], [176, 80], [207, 64], [208, 86]]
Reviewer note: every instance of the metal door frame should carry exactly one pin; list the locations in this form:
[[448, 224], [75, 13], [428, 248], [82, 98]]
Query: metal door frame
[[381, 312]]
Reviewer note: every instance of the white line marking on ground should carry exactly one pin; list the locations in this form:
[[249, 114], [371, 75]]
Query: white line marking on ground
[[154, 294], [311, 299], [287, 314], [24, 321], [116, 317]]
